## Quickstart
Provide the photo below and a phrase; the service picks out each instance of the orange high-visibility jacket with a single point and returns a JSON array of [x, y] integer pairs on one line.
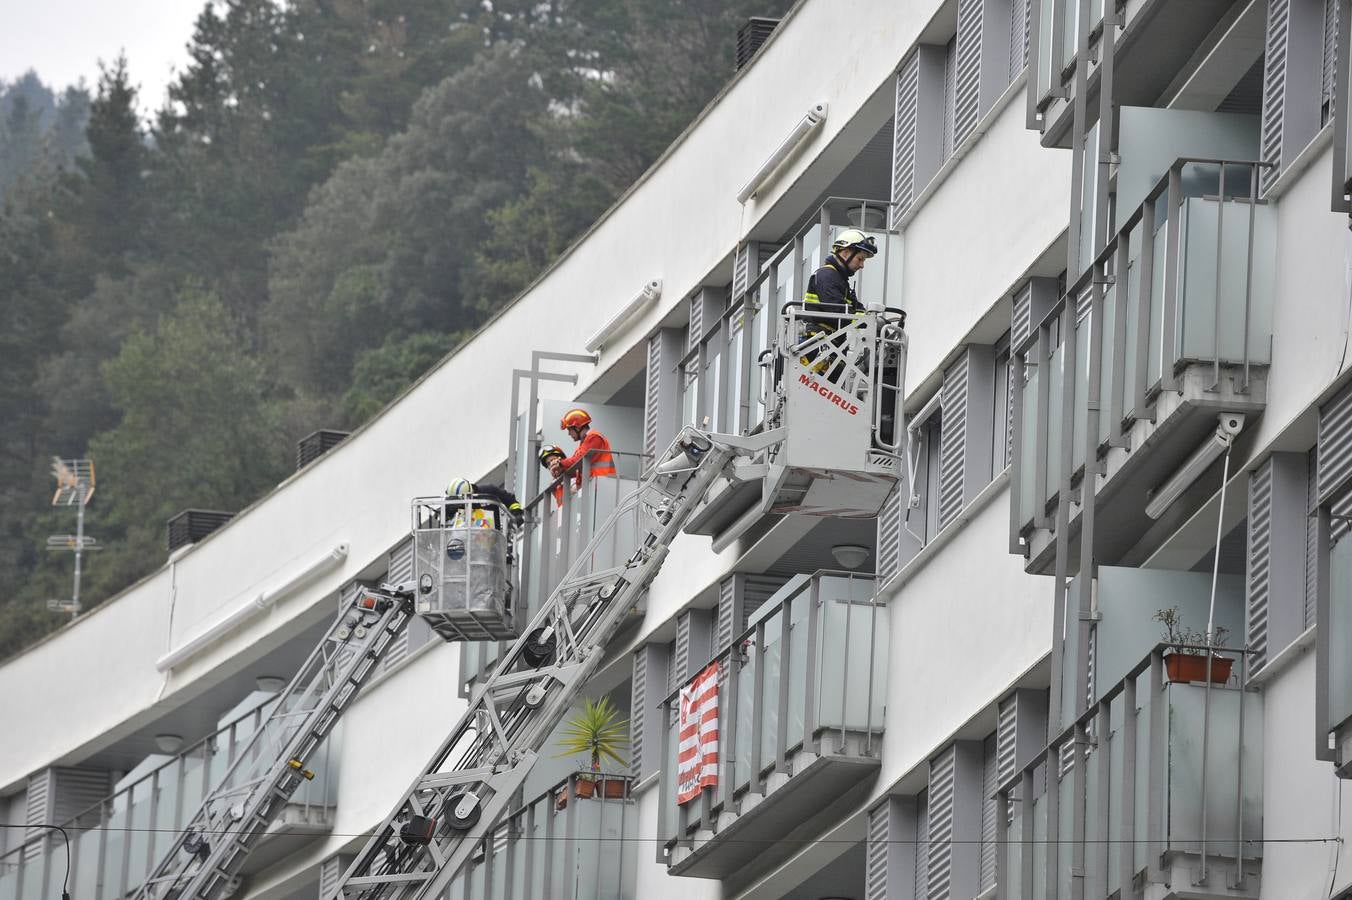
[[596, 449]]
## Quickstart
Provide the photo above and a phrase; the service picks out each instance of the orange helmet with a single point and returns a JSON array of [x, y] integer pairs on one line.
[[575, 418]]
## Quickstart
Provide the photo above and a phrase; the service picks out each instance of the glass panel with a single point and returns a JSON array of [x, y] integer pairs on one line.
[[85, 847], [1108, 337], [769, 698], [1056, 375], [746, 711], [1013, 890], [736, 423], [1045, 75], [799, 607], [115, 847], [1157, 299], [1080, 409], [1028, 462], [850, 691], [1129, 370], [138, 863], [1070, 21], [165, 800], [1340, 632]]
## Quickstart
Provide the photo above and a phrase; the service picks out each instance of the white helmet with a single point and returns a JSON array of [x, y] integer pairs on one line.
[[854, 239], [459, 487]]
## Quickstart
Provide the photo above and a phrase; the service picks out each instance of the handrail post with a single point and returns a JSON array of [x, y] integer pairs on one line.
[[758, 713], [1126, 848], [811, 744], [785, 676], [1155, 763], [1145, 270], [1239, 771]]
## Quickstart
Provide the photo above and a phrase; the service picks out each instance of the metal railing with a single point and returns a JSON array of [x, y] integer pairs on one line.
[[809, 675], [575, 841], [561, 521], [117, 841], [722, 375], [1169, 289], [1142, 776]]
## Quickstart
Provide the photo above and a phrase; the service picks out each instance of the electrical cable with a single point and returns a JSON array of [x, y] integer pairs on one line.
[[65, 881], [1338, 841]]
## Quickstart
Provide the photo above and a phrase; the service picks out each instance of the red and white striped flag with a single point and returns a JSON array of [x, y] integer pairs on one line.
[[697, 750]]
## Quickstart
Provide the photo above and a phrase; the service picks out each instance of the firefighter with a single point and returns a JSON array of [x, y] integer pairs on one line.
[[592, 445], [829, 289], [551, 458], [482, 515]]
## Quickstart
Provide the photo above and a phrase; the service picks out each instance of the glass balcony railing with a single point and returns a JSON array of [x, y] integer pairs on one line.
[[735, 403], [115, 843], [808, 676], [1158, 781], [1186, 281], [562, 520], [576, 841]]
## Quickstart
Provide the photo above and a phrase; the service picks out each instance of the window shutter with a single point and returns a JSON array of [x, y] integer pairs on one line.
[[400, 570], [904, 187], [889, 535], [954, 794], [1021, 731], [661, 398], [729, 600], [57, 795], [1019, 17], [990, 768], [1335, 444], [950, 75], [330, 870], [647, 690], [1311, 545], [739, 596], [952, 441], [922, 846], [1274, 86], [1258, 570], [875, 859], [940, 868], [1021, 315], [967, 70], [1009, 412], [692, 643], [965, 427], [1329, 73]]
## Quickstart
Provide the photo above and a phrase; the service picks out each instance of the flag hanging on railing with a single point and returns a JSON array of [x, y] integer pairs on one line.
[[697, 749]]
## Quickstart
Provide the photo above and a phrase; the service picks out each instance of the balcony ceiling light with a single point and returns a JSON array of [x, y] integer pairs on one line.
[[850, 556], [169, 743], [270, 684]]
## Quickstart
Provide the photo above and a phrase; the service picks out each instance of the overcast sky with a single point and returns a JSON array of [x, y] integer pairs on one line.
[[63, 40]]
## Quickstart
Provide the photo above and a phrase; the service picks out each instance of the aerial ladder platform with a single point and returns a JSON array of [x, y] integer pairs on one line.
[[832, 444]]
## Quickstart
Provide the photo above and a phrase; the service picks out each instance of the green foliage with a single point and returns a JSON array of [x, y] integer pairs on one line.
[[597, 732], [381, 374], [335, 195]]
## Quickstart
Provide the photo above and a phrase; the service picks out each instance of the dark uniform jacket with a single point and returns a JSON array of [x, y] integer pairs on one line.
[[829, 290]]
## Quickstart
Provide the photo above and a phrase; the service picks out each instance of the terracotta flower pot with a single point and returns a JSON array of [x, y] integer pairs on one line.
[[586, 789], [1189, 667]]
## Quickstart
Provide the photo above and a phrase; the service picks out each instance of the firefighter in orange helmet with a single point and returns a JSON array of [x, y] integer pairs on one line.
[[592, 445]]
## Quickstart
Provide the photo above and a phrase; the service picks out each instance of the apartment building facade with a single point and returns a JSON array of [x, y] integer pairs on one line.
[[1120, 234]]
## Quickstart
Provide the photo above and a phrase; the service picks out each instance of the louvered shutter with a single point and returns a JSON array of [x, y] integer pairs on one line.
[[942, 775], [1007, 740], [741, 270], [1274, 86], [875, 857], [952, 440], [990, 769], [680, 659], [1311, 544], [1021, 315], [400, 570], [37, 811], [1258, 568], [652, 388], [950, 76], [739, 596], [1009, 411], [692, 643], [923, 847], [729, 600], [889, 535], [661, 401], [1019, 21], [1329, 72], [638, 707], [57, 795], [330, 870], [904, 187], [967, 70], [1335, 444]]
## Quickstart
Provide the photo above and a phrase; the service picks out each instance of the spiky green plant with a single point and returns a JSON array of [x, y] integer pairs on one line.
[[596, 730]]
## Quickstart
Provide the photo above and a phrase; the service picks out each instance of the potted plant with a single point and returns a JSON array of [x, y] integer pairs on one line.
[[1187, 661], [598, 731]]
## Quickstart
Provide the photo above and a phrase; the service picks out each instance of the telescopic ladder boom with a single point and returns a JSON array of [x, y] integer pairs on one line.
[[205, 863], [466, 787]]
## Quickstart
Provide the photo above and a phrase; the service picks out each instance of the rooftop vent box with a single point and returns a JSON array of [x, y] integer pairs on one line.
[[191, 525], [316, 444], [750, 36]]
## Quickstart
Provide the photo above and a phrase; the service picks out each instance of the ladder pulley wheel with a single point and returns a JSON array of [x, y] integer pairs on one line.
[[462, 822], [538, 649]]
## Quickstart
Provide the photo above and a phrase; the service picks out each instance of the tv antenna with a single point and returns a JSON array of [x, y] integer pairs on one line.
[[74, 487]]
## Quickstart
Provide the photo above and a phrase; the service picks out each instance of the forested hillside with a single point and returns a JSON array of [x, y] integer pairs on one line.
[[334, 195]]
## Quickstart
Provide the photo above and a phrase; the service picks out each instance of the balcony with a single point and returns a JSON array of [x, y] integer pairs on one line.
[[1149, 44], [562, 518], [1157, 785], [801, 711], [723, 376], [575, 841], [115, 843], [1169, 326]]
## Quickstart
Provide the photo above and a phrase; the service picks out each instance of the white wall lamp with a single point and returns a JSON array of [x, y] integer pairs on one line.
[[1227, 429], [255, 607], [645, 298], [801, 132], [851, 556]]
